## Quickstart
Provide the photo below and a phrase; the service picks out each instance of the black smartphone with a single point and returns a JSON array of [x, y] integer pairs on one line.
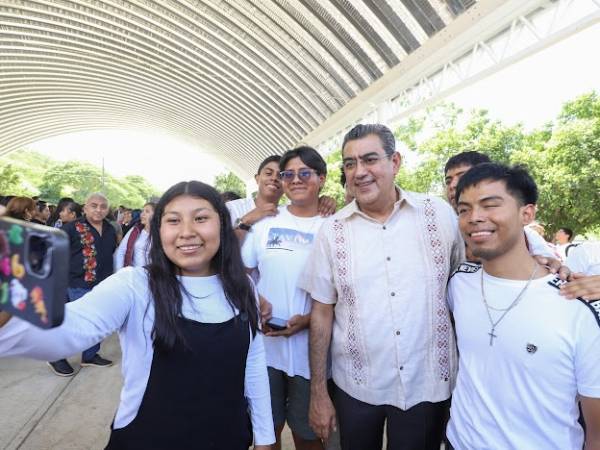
[[34, 271], [277, 324]]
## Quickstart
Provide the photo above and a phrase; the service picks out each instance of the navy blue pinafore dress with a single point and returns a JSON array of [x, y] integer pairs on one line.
[[195, 395]]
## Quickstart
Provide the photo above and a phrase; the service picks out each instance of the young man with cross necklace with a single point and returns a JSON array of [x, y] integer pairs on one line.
[[526, 356]]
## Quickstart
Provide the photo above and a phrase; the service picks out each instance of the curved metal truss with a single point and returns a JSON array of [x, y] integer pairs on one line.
[[493, 37], [247, 77]]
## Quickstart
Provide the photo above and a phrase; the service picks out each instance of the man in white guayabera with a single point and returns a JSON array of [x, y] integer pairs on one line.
[[382, 264]]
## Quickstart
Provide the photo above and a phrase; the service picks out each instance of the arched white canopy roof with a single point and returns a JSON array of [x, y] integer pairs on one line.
[[247, 78]]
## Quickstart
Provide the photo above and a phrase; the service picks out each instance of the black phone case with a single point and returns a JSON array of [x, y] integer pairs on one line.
[[277, 326], [33, 287]]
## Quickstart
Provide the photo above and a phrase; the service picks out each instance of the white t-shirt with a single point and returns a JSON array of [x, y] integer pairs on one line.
[[237, 209], [140, 250], [240, 207], [279, 246], [122, 303], [585, 258], [521, 392], [537, 244], [560, 250]]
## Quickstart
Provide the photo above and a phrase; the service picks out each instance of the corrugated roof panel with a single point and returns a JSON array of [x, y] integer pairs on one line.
[[251, 76]]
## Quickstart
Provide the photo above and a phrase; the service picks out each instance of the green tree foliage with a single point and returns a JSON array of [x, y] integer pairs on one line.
[[333, 187], [435, 136], [140, 187], [563, 156], [9, 179], [566, 166], [51, 180], [71, 179], [480, 133], [31, 167], [230, 182]]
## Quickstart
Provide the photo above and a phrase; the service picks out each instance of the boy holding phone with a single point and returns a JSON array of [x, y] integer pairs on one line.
[[278, 247]]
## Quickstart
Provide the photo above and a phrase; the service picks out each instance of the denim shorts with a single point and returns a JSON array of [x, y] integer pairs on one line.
[[290, 399]]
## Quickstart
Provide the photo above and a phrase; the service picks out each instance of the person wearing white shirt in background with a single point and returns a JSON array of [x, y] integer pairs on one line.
[[134, 247], [245, 212], [585, 258], [537, 227], [381, 264], [580, 285], [460, 164], [562, 239], [194, 367], [278, 247], [526, 355]]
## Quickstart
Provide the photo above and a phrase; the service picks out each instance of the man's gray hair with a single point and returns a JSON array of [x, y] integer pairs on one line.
[[97, 195]]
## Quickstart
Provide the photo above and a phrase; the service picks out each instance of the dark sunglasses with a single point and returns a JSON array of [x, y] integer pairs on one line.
[[303, 174]]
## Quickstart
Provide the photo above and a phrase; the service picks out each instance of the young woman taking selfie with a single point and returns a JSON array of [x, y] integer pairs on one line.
[[194, 366]]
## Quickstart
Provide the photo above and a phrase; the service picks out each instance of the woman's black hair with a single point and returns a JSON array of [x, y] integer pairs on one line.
[[227, 263], [150, 204], [40, 205], [5, 199], [61, 204], [73, 207]]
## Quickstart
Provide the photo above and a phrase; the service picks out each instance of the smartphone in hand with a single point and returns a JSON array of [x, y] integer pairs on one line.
[[34, 271], [277, 324]]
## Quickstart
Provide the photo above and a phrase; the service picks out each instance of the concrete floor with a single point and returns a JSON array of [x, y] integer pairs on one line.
[[42, 411]]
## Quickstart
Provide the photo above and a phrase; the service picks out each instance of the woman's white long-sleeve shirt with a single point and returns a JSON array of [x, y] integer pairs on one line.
[[122, 303], [140, 250]]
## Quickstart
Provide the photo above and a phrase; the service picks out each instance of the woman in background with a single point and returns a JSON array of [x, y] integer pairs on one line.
[[55, 220], [68, 213], [133, 249], [22, 208]]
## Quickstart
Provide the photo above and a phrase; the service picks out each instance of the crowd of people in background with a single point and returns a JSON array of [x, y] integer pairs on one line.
[[35, 210], [125, 219], [120, 239], [373, 319]]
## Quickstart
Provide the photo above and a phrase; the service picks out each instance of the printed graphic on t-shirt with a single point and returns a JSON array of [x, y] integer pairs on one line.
[[288, 239]]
